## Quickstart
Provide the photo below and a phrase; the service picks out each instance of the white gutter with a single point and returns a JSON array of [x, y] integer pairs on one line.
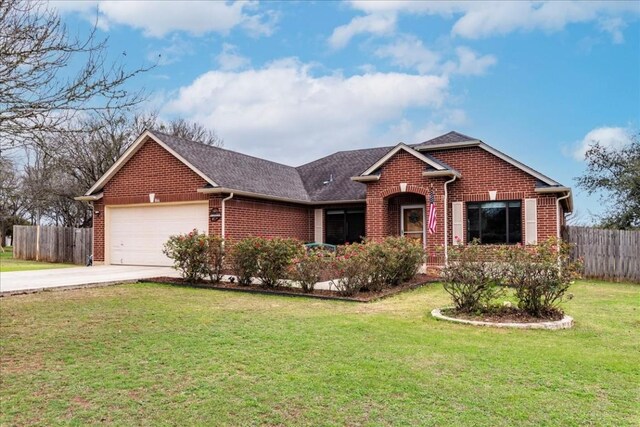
[[218, 190], [436, 174], [223, 214], [558, 214], [90, 198], [366, 178], [446, 221]]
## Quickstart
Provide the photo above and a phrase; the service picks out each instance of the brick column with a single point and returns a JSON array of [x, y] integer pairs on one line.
[[376, 218]]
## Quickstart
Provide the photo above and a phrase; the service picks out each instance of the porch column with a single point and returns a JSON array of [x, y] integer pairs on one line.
[[376, 218]]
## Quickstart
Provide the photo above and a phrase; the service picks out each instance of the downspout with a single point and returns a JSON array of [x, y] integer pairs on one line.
[[558, 214], [223, 215], [446, 221]]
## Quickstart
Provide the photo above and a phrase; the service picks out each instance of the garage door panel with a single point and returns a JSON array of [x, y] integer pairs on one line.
[[137, 234]]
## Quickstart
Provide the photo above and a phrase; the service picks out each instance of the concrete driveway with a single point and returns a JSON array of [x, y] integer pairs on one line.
[[31, 281]]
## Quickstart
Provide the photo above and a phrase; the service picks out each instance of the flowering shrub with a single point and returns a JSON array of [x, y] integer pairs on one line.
[[244, 258], [307, 268], [215, 257], [540, 274], [352, 269], [189, 253], [394, 260], [274, 258], [470, 278]]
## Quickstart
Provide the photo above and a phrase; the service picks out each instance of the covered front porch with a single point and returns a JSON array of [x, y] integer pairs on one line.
[[406, 214]]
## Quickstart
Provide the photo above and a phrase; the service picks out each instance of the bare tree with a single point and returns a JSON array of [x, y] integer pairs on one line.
[[63, 165], [192, 131], [40, 90]]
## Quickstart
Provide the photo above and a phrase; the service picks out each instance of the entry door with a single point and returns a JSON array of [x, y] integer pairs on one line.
[[412, 222]]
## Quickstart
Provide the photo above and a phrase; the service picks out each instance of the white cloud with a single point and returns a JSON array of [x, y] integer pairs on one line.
[[159, 18], [371, 24], [284, 112], [409, 52], [610, 137], [469, 63], [229, 59], [489, 18], [172, 52]]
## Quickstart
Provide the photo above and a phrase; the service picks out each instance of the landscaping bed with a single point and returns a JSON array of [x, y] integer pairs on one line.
[[363, 296], [502, 315]]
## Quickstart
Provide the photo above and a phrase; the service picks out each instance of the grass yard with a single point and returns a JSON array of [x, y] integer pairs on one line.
[[148, 354], [8, 263]]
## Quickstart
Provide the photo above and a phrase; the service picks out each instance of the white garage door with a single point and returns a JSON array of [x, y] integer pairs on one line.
[[137, 234]]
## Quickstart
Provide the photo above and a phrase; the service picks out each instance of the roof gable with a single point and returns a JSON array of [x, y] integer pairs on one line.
[[133, 149], [403, 147]]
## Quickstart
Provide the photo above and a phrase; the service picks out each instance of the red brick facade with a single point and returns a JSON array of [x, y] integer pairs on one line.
[[154, 170]]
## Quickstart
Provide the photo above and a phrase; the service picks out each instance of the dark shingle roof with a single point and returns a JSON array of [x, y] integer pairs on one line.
[[325, 179], [342, 166], [447, 138], [238, 171]]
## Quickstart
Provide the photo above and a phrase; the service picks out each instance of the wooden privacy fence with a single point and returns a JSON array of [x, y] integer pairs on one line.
[[607, 254], [52, 244]]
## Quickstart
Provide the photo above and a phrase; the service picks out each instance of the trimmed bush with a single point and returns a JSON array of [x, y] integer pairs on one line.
[[189, 253], [351, 268], [215, 257], [470, 279], [307, 268], [243, 256], [274, 258], [394, 260]]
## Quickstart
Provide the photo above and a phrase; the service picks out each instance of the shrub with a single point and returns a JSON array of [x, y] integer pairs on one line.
[[274, 258], [470, 278], [308, 267], [541, 275], [399, 259], [215, 257], [189, 255], [352, 269], [243, 256]]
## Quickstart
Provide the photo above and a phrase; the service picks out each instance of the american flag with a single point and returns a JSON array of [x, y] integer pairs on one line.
[[432, 213]]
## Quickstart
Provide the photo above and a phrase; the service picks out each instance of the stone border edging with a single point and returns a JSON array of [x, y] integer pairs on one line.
[[565, 323]]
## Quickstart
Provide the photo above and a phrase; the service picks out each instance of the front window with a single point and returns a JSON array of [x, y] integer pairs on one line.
[[494, 222], [344, 226]]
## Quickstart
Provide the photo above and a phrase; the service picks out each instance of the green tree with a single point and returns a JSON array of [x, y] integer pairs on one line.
[[615, 173]]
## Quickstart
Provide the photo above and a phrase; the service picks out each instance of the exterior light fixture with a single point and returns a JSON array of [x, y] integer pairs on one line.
[[215, 214]]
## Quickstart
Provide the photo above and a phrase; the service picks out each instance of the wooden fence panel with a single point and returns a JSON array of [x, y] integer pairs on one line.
[[607, 254], [52, 244]]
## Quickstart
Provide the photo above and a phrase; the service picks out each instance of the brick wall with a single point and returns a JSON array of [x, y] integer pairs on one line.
[[265, 218], [481, 172]]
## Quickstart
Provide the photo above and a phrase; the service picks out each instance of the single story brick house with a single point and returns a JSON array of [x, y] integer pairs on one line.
[[163, 185]]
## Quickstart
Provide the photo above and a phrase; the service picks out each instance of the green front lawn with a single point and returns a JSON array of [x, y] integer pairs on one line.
[[8, 263], [154, 354]]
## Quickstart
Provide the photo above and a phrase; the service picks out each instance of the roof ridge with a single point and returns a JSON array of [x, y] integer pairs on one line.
[[221, 148]]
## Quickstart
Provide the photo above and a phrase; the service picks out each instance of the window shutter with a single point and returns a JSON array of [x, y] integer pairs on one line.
[[317, 230], [456, 216], [530, 221]]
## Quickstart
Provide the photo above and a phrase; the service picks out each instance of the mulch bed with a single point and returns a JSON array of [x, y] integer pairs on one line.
[[503, 315], [418, 281]]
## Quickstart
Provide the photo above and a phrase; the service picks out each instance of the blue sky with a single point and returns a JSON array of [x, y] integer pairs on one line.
[[293, 81]]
